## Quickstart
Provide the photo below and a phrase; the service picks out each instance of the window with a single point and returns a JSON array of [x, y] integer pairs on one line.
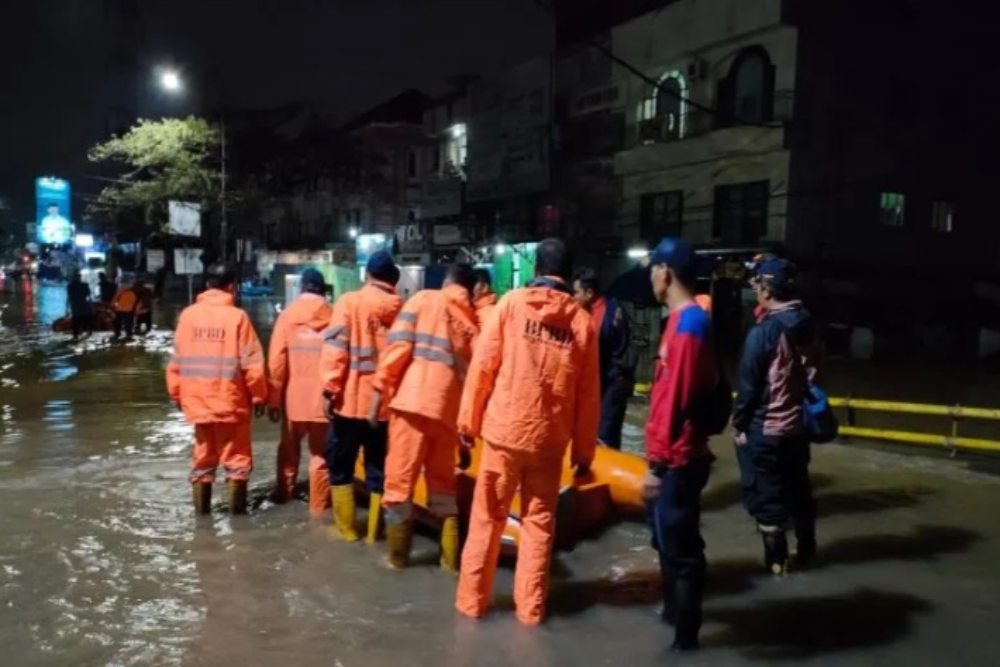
[[662, 115], [893, 209], [661, 214], [740, 212], [458, 145], [943, 216], [411, 169], [747, 94], [436, 159]]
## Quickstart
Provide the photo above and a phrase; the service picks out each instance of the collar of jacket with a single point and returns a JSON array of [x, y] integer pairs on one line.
[[385, 287], [489, 299], [458, 294], [788, 305], [217, 297], [551, 282]]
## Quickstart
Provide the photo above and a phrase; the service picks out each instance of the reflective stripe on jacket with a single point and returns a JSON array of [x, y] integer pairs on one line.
[[217, 369], [356, 335], [533, 382], [293, 359], [430, 347]]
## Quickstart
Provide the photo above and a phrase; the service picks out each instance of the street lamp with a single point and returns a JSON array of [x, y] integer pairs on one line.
[[171, 83]]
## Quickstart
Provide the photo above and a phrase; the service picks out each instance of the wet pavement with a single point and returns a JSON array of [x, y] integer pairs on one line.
[[102, 562]]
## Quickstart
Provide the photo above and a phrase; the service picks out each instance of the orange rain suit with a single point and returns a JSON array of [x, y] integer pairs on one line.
[[532, 388], [216, 374], [356, 335], [293, 365], [355, 338], [485, 305], [422, 371]]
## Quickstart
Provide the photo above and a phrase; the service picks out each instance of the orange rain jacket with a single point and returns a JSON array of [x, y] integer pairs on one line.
[[534, 383], [293, 359], [430, 347], [126, 300], [217, 369], [354, 339], [485, 305]]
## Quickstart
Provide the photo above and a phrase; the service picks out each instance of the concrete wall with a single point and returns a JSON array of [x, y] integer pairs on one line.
[[713, 32]]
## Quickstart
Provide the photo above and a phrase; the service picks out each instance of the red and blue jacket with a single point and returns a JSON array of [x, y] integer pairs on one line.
[[686, 371]]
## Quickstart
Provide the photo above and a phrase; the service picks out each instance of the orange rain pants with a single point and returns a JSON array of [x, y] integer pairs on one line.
[[502, 471], [289, 455], [228, 443], [418, 443]]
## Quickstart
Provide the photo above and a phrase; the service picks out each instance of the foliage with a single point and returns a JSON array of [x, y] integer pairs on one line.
[[172, 158]]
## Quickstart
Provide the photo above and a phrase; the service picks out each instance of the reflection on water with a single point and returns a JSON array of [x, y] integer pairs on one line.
[[102, 562]]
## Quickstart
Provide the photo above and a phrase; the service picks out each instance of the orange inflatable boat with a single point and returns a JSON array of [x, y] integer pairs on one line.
[[610, 491]]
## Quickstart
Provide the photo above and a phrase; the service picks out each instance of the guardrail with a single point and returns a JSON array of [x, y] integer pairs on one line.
[[951, 441]]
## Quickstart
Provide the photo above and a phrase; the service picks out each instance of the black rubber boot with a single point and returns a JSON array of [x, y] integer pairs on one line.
[[201, 493], [668, 586], [775, 549], [237, 496], [688, 594], [805, 543]]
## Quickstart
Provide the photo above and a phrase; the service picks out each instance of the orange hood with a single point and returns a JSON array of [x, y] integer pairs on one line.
[[550, 306], [216, 297], [311, 310]]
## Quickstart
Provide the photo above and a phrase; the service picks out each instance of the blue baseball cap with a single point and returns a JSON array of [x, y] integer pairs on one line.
[[677, 254], [382, 267], [777, 271]]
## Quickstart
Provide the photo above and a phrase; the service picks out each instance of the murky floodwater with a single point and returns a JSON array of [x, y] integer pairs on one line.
[[102, 562]]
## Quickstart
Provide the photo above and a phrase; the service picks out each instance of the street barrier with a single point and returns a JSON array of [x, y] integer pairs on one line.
[[952, 441]]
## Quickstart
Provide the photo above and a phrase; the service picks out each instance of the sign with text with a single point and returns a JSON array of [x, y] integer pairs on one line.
[[52, 211], [155, 260]]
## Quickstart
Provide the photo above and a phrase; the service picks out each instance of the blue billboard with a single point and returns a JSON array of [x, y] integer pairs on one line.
[[52, 211]]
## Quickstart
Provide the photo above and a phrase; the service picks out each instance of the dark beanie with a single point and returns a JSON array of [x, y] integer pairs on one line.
[[312, 281], [382, 267]]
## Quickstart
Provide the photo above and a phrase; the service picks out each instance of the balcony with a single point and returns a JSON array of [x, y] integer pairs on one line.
[[696, 122]]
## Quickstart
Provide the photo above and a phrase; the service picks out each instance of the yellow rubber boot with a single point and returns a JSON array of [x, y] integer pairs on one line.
[[399, 537], [374, 517], [201, 493], [237, 496], [342, 498], [449, 544]]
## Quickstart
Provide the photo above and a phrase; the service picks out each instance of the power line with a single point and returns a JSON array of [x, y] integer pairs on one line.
[[635, 71]]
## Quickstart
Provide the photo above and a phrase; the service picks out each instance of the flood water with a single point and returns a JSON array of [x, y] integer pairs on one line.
[[103, 563]]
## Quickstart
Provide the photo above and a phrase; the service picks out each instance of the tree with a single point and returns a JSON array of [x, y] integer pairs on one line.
[[172, 158]]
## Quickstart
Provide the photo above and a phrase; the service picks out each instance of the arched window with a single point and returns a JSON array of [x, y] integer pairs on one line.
[[747, 94], [663, 113]]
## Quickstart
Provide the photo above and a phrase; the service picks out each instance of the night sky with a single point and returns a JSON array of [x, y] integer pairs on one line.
[[68, 66]]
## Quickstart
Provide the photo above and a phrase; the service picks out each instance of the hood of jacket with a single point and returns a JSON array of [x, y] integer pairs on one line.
[[216, 297], [551, 301], [795, 319], [382, 299], [311, 310]]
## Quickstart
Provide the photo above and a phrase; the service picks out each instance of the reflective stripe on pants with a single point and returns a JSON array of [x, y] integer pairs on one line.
[[225, 443], [419, 444]]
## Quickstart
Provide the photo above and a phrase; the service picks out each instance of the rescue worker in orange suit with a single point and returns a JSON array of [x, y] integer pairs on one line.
[[421, 372], [217, 377], [354, 340], [676, 441], [532, 389], [614, 339], [293, 365], [483, 297]]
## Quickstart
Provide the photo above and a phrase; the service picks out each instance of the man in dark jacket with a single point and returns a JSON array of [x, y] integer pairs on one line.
[[771, 443], [80, 307], [617, 368]]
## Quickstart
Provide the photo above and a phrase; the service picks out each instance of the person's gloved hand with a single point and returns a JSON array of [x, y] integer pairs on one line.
[[274, 414], [464, 458], [740, 439], [328, 407], [581, 470], [258, 410], [374, 407]]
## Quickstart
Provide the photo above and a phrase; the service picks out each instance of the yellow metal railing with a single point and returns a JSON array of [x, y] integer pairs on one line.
[[955, 413], [950, 441]]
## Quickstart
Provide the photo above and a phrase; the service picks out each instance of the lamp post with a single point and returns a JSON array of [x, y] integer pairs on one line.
[[172, 84]]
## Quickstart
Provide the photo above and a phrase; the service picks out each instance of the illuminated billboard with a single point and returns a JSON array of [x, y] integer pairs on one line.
[[52, 211]]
